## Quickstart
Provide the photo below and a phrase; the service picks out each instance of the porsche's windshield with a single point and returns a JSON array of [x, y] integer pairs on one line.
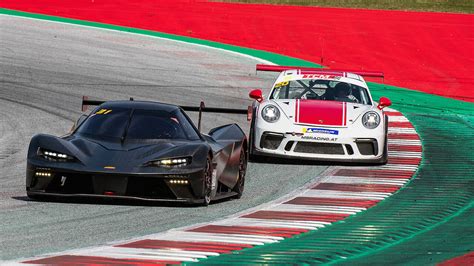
[[320, 90], [138, 124]]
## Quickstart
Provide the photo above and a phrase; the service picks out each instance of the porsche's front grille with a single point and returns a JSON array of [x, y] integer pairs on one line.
[[367, 146], [270, 141], [319, 148]]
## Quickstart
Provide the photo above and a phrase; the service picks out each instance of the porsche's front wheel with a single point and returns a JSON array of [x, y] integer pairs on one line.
[[384, 158], [207, 183], [252, 156], [239, 187]]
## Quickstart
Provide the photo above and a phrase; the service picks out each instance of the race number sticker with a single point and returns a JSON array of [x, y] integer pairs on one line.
[[103, 112], [281, 84]]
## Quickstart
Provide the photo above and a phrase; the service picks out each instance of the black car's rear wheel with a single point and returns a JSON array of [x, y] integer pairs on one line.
[[239, 187], [207, 183]]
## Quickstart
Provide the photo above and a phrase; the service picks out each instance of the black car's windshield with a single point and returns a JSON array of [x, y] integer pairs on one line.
[[320, 90], [138, 124]]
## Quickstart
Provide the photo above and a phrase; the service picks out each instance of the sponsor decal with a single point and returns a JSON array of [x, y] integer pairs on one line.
[[320, 76], [319, 138], [320, 130]]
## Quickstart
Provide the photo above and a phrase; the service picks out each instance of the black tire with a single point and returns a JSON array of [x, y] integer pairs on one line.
[[384, 159], [252, 156], [207, 183], [239, 187]]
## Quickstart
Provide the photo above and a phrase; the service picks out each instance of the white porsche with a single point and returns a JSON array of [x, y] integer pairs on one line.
[[319, 114]]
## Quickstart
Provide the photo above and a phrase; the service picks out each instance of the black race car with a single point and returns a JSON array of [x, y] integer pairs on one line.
[[139, 150]]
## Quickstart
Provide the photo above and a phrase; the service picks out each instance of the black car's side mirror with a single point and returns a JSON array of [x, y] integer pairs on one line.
[[79, 121]]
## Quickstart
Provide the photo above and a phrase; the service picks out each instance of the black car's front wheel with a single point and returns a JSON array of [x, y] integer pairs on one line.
[[207, 182], [239, 187]]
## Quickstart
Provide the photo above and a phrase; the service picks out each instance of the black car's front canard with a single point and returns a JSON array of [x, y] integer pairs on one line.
[[139, 150]]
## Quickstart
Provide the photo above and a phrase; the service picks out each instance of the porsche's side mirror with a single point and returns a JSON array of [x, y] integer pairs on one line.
[[257, 95], [384, 102]]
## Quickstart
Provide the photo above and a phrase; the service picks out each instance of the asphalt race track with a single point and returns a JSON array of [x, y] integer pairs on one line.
[[45, 70]]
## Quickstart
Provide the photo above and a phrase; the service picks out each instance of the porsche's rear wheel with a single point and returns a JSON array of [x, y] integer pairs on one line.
[[207, 183], [239, 187]]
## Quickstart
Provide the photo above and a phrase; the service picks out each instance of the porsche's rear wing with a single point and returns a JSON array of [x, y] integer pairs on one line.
[[201, 108], [322, 71]]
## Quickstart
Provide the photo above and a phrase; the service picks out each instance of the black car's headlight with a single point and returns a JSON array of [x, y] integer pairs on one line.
[[270, 113], [171, 162], [371, 120], [54, 156]]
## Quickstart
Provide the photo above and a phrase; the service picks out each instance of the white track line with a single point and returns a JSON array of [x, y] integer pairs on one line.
[[406, 167], [317, 193], [316, 208], [273, 223], [396, 118], [214, 237], [148, 254], [405, 154], [365, 180], [401, 130], [410, 142]]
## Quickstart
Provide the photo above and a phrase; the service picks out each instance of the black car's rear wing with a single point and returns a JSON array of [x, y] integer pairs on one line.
[[201, 108]]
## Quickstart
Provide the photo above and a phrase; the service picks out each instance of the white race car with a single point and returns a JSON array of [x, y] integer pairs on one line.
[[319, 114]]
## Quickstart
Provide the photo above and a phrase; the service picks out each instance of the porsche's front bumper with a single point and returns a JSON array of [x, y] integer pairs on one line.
[[345, 146], [183, 187]]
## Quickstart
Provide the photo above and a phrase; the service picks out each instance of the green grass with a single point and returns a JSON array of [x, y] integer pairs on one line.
[[456, 6]]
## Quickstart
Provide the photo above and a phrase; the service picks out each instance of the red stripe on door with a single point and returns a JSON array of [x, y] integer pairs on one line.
[[248, 230], [357, 187], [186, 245], [375, 173], [317, 112], [297, 111], [296, 216], [332, 202], [87, 260]]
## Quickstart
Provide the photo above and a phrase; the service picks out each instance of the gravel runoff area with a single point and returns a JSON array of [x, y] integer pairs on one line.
[[46, 68]]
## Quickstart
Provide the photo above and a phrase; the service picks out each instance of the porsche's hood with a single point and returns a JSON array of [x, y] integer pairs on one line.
[[321, 113]]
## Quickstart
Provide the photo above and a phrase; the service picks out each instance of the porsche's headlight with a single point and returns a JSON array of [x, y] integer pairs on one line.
[[54, 156], [270, 113], [371, 120], [171, 162]]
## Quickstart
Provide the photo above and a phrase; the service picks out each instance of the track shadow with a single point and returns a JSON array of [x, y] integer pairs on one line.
[[102, 201]]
